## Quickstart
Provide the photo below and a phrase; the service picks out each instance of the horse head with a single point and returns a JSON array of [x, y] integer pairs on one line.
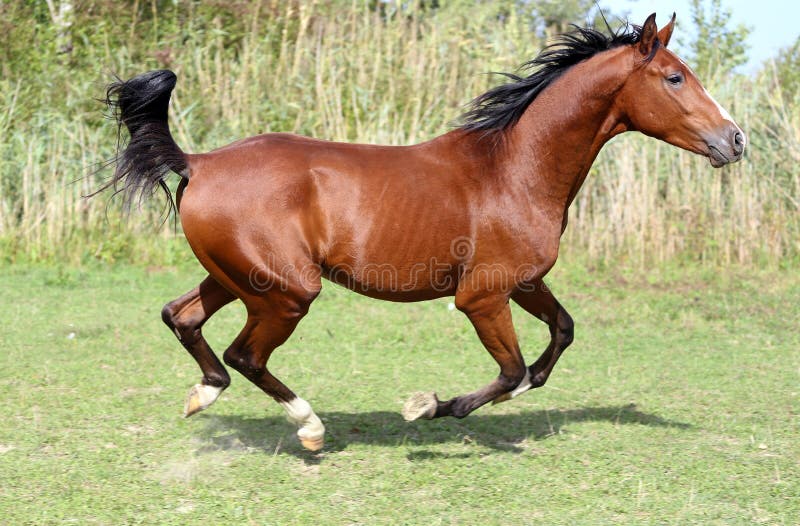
[[663, 98]]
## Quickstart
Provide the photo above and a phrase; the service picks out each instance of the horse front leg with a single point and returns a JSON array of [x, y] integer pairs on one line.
[[491, 317], [540, 302]]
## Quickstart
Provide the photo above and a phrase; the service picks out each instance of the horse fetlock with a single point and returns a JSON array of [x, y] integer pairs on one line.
[[200, 397], [219, 379], [420, 405], [523, 386]]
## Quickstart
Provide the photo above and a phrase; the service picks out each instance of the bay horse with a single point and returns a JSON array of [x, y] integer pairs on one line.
[[476, 213]]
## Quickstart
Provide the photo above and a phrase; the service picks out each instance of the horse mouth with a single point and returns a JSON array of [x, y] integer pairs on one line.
[[716, 157]]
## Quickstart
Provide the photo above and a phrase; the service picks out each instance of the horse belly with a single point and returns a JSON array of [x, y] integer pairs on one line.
[[404, 283]]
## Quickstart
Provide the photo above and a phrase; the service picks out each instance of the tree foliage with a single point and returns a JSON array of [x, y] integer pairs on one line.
[[787, 72], [717, 48]]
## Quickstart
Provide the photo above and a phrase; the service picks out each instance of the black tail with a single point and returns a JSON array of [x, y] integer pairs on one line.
[[141, 104]]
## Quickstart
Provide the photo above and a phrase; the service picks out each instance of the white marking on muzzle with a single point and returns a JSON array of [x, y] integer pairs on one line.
[[727, 116], [722, 111]]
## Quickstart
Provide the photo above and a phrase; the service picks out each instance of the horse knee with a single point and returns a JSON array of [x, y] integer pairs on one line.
[[236, 358], [243, 361]]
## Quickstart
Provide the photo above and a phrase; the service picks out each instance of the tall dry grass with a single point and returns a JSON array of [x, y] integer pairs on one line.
[[367, 75]]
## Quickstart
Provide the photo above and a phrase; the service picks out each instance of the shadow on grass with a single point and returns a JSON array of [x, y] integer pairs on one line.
[[499, 432]]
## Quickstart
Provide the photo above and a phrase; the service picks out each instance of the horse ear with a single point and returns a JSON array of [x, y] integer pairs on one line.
[[666, 32], [649, 35]]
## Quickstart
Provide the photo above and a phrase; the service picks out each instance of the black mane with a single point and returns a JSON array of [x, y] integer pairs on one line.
[[502, 106]]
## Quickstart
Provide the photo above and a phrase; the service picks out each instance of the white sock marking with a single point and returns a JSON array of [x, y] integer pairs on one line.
[[299, 412], [523, 386]]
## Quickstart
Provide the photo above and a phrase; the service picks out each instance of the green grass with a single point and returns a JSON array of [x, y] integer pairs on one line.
[[677, 403]]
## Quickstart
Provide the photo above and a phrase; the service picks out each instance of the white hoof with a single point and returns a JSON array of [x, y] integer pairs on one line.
[[312, 430], [313, 444], [200, 397], [312, 434], [420, 405]]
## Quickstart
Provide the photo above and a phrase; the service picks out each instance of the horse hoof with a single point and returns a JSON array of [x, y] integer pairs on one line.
[[314, 444], [420, 405], [200, 397]]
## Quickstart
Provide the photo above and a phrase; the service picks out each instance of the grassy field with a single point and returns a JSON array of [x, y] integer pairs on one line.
[[678, 403]]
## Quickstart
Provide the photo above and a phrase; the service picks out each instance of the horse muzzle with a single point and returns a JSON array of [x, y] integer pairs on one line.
[[726, 147]]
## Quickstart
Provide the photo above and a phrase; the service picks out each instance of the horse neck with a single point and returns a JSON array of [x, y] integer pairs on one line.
[[557, 139]]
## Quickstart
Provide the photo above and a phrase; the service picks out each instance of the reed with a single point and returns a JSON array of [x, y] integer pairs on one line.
[[345, 71]]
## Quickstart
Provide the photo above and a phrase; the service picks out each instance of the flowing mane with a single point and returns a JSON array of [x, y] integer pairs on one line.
[[502, 106]]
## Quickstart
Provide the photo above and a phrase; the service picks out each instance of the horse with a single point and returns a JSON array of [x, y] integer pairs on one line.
[[476, 213]]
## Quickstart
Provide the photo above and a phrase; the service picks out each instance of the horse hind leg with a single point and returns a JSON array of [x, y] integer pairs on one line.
[[185, 316], [271, 320]]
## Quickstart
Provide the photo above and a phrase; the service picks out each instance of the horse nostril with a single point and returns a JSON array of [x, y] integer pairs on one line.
[[738, 142]]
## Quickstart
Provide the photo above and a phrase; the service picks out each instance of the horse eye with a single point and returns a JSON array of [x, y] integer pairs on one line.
[[675, 79]]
